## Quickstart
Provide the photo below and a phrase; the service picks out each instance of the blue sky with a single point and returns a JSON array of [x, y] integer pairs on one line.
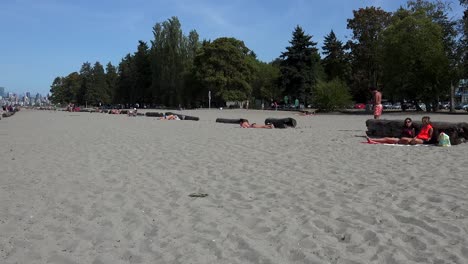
[[43, 39]]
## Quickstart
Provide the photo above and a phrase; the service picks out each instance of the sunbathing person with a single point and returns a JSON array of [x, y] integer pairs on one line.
[[244, 123], [406, 132], [169, 117]]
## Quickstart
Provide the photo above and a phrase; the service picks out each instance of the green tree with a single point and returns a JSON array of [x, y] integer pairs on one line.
[[367, 25], [97, 92], [141, 91], [224, 67], [86, 75], [464, 40], [169, 57], [72, 85], [57, 91], [414, 58], [332, 95], [112, 80], [190, 84], [126, 80], [438, 11], [265, 83], [335, 63], [300, 66]]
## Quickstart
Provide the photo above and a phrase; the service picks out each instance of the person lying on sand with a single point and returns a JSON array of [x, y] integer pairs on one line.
[[169, 117], [244, 123], [407, 131]]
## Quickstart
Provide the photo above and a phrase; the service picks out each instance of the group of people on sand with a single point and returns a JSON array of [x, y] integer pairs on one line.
[[408, 135]]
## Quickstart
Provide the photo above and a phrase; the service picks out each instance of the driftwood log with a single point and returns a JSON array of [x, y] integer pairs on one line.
[[229, 121], [155, 114], [8, 114], [281, 122], [458, 132], [184, 117]]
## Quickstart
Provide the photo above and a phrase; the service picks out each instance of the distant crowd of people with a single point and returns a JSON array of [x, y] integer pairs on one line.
[[73, 108], [10, 108]]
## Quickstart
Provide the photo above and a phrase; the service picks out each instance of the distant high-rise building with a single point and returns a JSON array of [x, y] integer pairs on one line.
[[2, 91], [28, 94]]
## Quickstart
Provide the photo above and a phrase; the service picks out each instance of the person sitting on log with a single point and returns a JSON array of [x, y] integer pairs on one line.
[[406, 132], [244, 123], [115, 111], [424, 136]]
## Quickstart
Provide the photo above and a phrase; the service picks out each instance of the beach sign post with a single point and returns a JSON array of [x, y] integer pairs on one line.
[[209, 99]]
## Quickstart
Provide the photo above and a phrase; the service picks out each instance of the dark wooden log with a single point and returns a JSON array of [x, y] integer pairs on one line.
[[281, 122], [154, 114], [229, 121], [8, 114], [458, 132], [184, 117]]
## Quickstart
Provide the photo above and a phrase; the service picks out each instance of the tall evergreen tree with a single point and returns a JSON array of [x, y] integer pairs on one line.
[[142, 88], [190, 84], [126, 81], [57, 91], [112, 81], [97, 92], [335, 63], [72, 84], [167, 62], [300, 66], [86, 75]]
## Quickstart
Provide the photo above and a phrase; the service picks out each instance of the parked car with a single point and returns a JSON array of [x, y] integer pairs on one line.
[[444, 105], [408, 106], [422, 106], [462, 107], [387, 105], [396, 106], [360, 106]]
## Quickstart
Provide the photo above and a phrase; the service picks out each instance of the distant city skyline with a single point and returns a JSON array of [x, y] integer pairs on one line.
[[4, 91]]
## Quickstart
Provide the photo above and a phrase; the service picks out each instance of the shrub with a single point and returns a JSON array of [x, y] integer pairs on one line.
[[332, 95]]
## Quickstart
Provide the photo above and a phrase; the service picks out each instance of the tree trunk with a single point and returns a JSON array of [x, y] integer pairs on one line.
[[452, 98]]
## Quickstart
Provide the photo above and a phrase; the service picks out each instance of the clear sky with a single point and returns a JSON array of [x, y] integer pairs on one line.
[[43, 39]]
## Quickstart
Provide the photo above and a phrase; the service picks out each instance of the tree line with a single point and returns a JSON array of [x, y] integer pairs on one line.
[[415, 54]]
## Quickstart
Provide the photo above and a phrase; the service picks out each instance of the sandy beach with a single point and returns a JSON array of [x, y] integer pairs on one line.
[[102, 189]]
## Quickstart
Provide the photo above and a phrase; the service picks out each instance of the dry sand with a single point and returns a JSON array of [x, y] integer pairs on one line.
[[97, 188]]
